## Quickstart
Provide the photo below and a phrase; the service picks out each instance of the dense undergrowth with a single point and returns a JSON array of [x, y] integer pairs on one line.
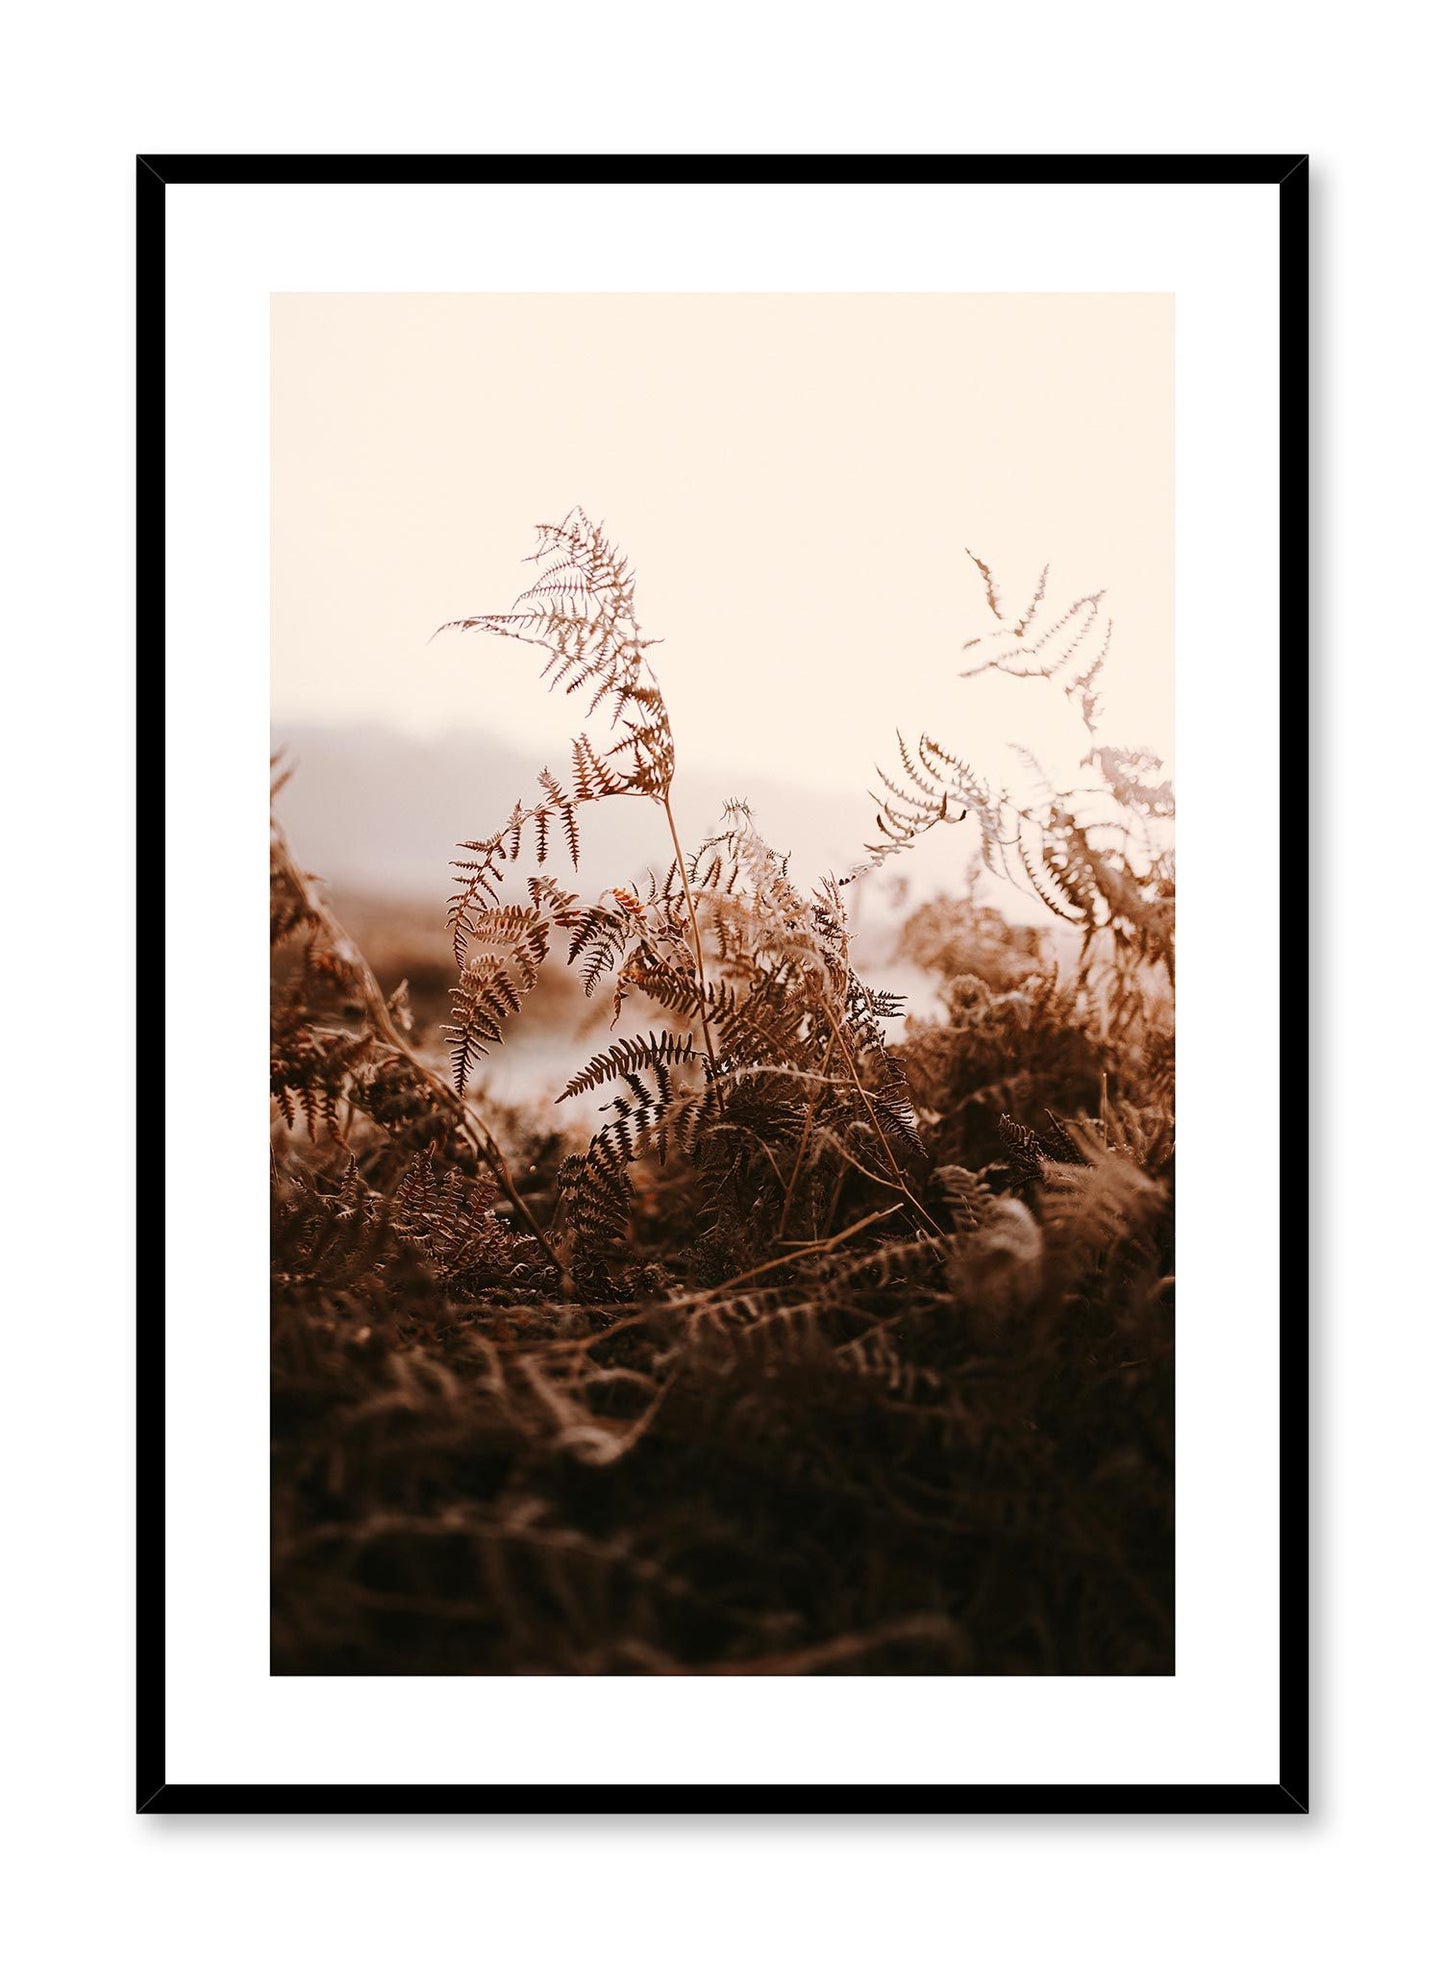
[[841, 1344]]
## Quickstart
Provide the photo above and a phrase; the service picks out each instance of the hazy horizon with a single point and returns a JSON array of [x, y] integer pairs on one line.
[[380, 812]]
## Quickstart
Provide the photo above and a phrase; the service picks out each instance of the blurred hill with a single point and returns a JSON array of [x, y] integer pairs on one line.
[[379, 812]]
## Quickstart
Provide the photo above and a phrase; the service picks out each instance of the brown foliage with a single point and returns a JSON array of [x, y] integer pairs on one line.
[[824, 1353]]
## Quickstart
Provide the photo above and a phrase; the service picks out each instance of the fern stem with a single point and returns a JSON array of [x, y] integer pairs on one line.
[[666, 804], [807, 1132], [807, 1250], [878, 1126]]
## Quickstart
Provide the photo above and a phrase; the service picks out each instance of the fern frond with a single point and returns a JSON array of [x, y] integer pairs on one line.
[[659, 1052], [596, 1194], [905, 813], [513, 941], [1048, 654]]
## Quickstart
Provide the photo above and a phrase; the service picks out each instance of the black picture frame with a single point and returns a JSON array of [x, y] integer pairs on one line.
[[1290, 1795]]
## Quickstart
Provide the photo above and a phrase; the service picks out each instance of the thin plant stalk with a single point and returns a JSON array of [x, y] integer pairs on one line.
[[696, 934]]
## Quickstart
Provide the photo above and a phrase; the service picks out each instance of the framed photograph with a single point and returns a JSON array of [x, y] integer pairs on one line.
[[765, 674]]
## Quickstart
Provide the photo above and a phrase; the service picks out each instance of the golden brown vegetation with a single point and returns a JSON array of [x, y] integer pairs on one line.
[[828, 1352]]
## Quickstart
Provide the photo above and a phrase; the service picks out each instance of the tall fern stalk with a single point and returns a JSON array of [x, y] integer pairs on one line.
[[688, 898], [781, 990]]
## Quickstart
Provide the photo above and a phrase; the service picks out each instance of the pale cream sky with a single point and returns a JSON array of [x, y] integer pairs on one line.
[[796, 479]]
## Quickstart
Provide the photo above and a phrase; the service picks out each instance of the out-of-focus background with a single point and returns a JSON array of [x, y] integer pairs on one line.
[[799, 480]]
